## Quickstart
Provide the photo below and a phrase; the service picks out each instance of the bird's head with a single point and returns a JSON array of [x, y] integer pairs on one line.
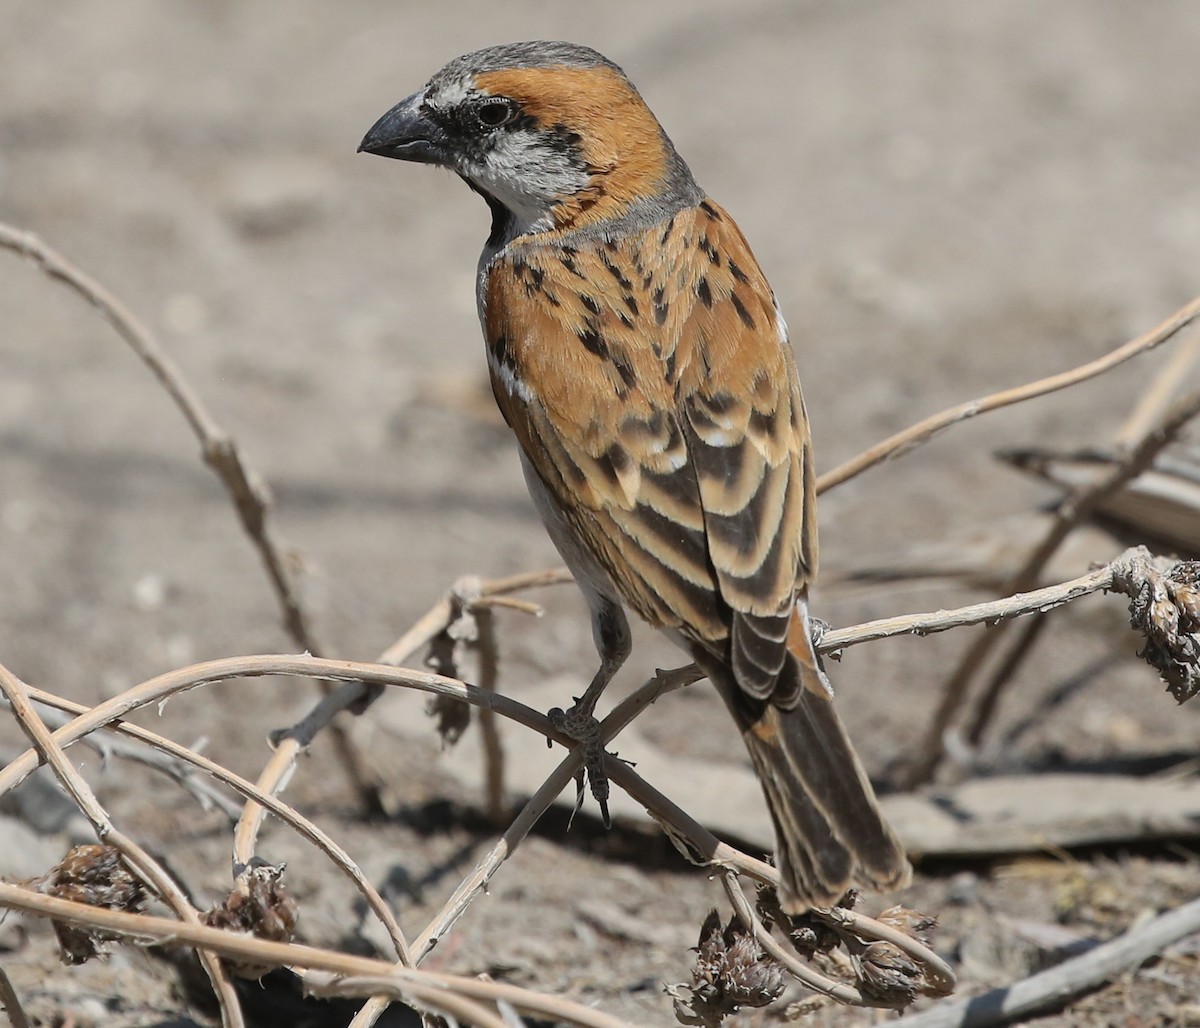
[[553, 135]]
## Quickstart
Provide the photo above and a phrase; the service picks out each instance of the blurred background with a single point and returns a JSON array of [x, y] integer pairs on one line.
[[948, 198]]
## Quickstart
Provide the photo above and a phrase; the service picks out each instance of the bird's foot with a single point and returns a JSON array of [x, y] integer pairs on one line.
[[580, 724]]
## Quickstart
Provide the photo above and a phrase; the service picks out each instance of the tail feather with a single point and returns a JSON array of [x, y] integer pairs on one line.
[[830, 833]]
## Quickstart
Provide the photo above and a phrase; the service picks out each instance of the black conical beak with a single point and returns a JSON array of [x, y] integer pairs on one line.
[[407, 134]]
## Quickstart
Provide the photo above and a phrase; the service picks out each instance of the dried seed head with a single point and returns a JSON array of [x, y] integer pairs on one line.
[[1165, 608], [94, 875], [731, 972], [889, 974], [258, 905]]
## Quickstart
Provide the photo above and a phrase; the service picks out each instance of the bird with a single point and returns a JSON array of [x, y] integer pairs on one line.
[[639, 356]]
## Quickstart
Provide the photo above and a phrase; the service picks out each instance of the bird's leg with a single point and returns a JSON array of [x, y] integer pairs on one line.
[[611, 633]]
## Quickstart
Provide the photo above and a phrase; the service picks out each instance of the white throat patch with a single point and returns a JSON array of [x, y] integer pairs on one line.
[[528, 176]]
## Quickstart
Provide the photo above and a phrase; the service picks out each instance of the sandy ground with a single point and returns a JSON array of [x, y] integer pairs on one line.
[[948, 198]]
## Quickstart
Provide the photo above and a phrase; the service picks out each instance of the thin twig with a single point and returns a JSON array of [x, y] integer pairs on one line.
[[1051, 988], [988, 612], [146, 755], [493, 751], [286, 813], [1177, 370], [925, 430], [168, 684], [425, 987], [245, 487], [145, 866]]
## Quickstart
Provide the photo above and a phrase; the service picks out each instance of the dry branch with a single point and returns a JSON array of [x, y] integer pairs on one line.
[[989, 612], [681, 825], [245, 487]]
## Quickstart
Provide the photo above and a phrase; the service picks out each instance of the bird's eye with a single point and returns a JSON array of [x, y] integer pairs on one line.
[[495, 113]]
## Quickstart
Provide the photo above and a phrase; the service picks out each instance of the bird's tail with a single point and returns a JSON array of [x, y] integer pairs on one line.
[[830, 834]]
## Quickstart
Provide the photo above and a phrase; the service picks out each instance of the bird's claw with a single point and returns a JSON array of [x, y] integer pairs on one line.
[[581, 726]]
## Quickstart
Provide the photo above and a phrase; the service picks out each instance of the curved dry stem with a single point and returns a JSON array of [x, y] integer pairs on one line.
[[245, 487], [286, 813], [169, 684], [926, 429], [144, 865], [423, 987]]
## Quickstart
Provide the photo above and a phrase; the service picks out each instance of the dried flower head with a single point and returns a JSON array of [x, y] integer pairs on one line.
[[258, 905], [911, 922], [888, 973], [94, 875], [731, 972], [1165, 607]]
